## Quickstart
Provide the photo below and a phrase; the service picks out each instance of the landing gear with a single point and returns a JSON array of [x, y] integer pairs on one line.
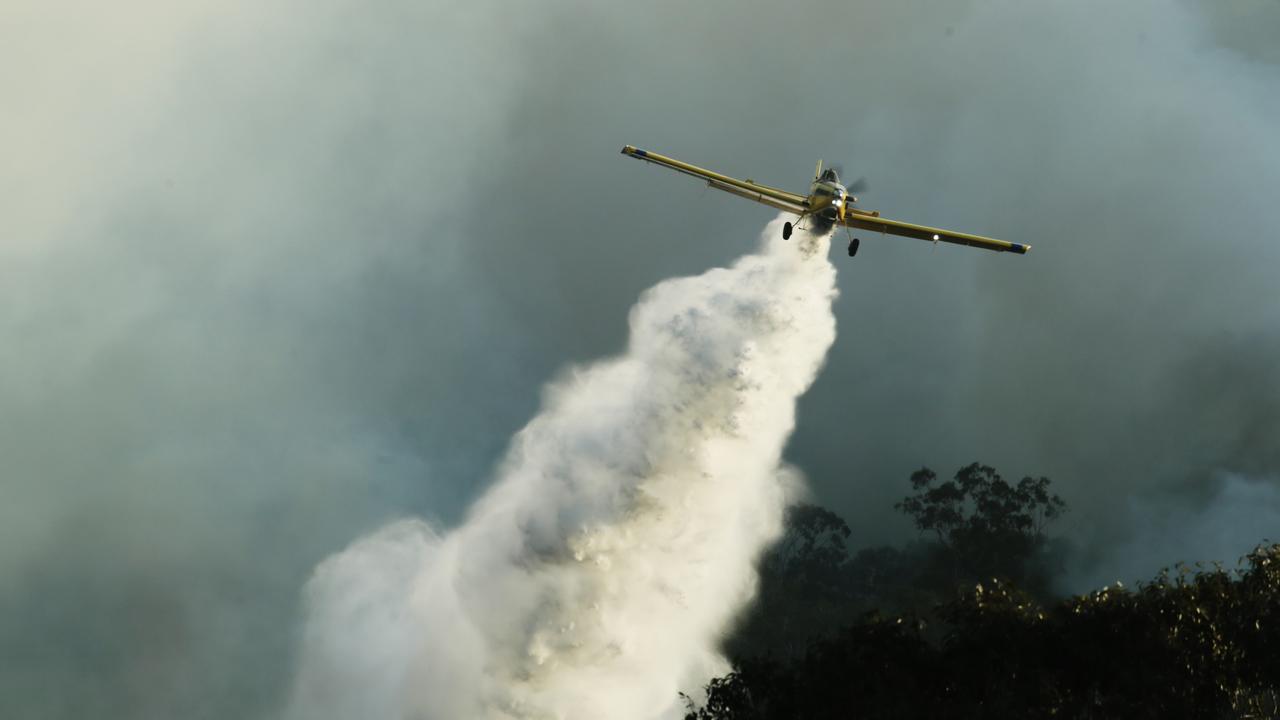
[[853, 247], [786, 231]]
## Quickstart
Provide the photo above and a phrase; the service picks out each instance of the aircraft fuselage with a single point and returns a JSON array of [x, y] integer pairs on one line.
[[827, 202]]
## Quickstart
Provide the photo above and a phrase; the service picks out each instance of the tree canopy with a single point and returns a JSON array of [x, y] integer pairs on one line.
[[987, 526], [1190, 644], [975, 527], [961, 624]]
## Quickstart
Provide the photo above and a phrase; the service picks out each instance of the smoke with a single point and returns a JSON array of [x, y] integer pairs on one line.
[[275, 274], [597, 575], [1237, 515]]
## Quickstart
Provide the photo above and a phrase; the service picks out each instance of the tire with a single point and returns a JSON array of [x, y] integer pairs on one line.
[[853, 247], [786, 231]]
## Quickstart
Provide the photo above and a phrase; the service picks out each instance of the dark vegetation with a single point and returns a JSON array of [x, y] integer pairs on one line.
[[963, 623]]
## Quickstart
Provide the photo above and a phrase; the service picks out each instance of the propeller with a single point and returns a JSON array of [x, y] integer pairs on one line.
[[857, 186]]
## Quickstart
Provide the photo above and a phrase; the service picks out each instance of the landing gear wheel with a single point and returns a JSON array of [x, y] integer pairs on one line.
[[786, 231], [853, 247]]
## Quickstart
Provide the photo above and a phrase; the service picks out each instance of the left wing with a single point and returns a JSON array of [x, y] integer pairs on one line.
[[773, 197], [871, 221]]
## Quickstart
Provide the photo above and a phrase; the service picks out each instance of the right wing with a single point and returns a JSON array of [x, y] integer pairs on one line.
[[773, 197], [867, 221]]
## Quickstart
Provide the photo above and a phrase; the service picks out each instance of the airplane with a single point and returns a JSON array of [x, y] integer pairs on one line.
[[827, 204]]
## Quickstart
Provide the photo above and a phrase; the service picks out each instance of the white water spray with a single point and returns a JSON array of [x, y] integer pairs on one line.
[[598, 575]]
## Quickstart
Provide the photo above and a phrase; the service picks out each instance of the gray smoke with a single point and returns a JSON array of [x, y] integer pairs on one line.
[[273, 275], [1238, 514]]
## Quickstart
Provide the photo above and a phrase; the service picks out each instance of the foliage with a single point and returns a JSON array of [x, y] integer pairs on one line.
[[981, 527], [802, 586], [1204, 645], [984, 526]]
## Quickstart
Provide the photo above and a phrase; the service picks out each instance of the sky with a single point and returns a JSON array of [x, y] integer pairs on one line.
[[271, 277]]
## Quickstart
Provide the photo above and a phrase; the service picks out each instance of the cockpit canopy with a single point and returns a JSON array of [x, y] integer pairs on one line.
[[828, 189]]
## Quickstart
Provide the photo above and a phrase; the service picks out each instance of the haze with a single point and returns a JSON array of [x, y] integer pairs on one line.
[[272, 277]]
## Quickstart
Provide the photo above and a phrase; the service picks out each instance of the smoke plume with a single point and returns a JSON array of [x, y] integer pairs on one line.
[[597, 575], [1237, 514]]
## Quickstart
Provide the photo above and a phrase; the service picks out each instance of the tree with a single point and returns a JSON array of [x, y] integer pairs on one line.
[[1196, 645], [810, 585], [984, 526], [802, 591]]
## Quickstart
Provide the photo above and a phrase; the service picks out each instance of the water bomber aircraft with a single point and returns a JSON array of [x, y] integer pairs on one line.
[[828, 204]]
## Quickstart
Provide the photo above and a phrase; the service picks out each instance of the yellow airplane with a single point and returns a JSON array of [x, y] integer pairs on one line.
[[828, 203]]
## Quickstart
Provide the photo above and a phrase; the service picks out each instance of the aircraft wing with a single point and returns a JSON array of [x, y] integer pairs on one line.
[[868, 221], [773, 197]]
